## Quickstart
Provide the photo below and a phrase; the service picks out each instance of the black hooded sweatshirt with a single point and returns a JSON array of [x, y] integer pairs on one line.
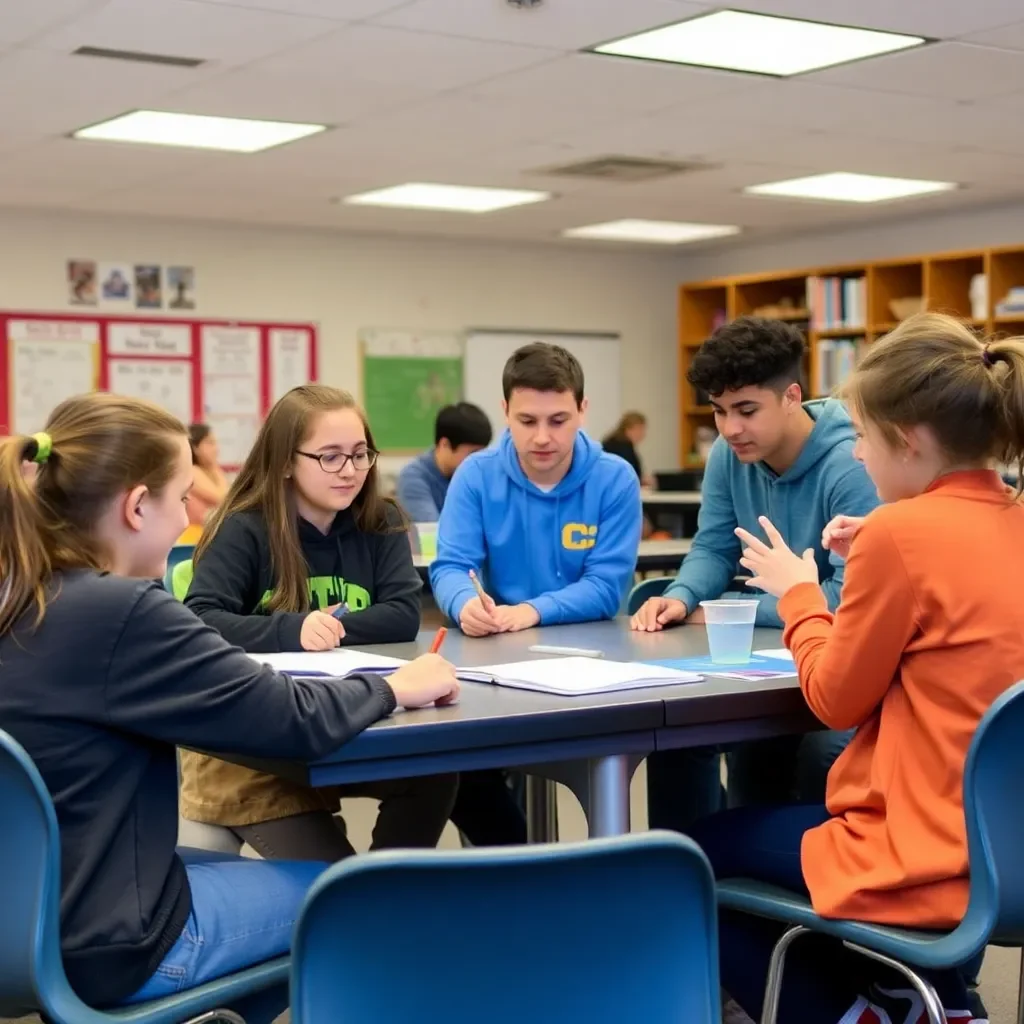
[[372, 573]]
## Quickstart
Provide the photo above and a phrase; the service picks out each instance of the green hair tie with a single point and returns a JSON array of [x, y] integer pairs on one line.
[[44, 446]]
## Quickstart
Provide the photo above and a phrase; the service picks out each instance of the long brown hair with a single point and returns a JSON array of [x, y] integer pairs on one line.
[[100, 446], [933, 370], [627, 421], [263, 486]]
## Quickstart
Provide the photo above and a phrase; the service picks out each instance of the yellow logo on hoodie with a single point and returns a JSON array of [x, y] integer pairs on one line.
[[578, 536]]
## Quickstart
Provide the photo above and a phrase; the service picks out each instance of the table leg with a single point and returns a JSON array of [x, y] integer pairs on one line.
[[541, 810], [609, 795]]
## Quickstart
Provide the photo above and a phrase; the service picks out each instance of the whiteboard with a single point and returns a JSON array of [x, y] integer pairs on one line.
[[599, 354]]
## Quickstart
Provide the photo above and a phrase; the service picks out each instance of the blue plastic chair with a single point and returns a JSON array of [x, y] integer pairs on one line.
[[645, 590], [995, 909], [32, 978], [604, 931]]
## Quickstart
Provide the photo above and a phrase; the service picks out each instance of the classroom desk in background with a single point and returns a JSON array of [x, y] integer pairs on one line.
[[670, 499], [592, 744], [652, 554], [675, 511]]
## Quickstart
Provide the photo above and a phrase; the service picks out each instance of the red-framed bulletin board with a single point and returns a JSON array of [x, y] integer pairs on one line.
[[227, 373]]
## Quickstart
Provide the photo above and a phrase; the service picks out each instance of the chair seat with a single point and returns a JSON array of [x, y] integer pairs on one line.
[[195, 1001], [929, 949]]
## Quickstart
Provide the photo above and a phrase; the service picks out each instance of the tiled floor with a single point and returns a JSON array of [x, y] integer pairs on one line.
[[999, 977]]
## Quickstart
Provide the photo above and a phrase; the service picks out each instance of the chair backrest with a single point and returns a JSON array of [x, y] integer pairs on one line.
[[604, 931], [179, 553], [30, 961], [179, 579], [995, 821], [644, 590]]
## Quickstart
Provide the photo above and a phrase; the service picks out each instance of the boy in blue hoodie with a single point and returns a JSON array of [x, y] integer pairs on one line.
[[550, 521], [775, 456]]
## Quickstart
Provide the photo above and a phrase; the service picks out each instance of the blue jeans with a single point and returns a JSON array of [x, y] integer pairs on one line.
[[243, 913], [684, 786], [822, 977]]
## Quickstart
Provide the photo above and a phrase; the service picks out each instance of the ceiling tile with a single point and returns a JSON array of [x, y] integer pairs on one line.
[[568, 24], [955, 71], [42, 93], [186, 28], [432, 63], [336, 10], [20, 21], [917, 17]]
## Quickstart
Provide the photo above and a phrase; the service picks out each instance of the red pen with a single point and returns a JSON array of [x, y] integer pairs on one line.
[[438, 640]]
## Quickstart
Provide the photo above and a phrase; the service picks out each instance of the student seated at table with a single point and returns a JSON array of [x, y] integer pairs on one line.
[[547, 519], [104, 673], [459, 431], [305, 555], [211, 485], [622, 441], [780, 456], [929, 632]]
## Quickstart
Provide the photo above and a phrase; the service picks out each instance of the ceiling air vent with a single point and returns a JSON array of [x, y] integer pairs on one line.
[[625, 169], [138, 58]]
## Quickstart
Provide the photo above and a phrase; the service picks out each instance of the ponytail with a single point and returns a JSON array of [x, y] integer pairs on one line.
[[95, 448], [934, 371], [24, 560]]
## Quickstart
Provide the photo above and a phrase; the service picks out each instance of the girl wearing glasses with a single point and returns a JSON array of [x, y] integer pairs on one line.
[[305, 554]]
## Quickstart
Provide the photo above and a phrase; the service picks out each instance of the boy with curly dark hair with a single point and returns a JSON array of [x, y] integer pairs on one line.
[[776, 456]]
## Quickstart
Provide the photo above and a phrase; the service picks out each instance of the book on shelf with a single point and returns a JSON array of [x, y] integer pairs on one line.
[[836, 359], [837, 302]]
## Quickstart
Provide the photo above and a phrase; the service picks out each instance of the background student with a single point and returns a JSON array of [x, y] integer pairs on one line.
[[104, 673], [930, 631], [775, 455], [305, 555], [549, 520], [459, 431], [622, 441], [210, 485]]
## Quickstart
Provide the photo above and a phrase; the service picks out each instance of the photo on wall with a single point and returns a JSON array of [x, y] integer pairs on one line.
[[181, 288], [117, 286], [81, 280], [147, 286]]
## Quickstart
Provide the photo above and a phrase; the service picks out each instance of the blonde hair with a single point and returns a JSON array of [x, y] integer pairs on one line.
[[627, 421], [263, 486], [100, 446], [934, 371]]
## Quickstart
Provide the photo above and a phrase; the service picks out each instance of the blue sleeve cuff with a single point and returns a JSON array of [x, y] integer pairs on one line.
[[459, 601], [680, 592], [547, 609]]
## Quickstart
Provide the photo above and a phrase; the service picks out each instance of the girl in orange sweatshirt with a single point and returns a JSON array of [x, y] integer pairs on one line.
[[929, 631]]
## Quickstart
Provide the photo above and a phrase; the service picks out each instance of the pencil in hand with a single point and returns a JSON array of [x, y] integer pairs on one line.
[[435, 646], [485, 599]]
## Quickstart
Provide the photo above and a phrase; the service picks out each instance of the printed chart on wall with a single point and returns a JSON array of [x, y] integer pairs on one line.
[[232, 386], [49, 360], [291, 360], [407, 377], [152, 361]]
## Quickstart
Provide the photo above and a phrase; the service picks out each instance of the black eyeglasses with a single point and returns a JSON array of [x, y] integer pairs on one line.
[[335, 462]]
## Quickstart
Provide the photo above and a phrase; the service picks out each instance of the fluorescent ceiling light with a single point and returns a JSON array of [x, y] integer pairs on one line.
[[418, 195], [664, 232], [758, 43], [164, 128], [845, 187]]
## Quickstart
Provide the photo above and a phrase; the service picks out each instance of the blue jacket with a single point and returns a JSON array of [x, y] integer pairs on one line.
[[825, 481], [570, 552], [422, 488]]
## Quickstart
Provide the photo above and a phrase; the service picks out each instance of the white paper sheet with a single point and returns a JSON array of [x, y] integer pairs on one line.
[[575, 676], [776, 652], [167, 383], [326, 663], [290, 361]]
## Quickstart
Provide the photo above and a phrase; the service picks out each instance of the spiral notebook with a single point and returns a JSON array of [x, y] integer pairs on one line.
[[576, 676], [335, 663]]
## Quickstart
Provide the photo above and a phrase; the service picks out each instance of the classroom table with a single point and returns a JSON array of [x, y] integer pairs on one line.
[[651, 555], [676, 511], [592, 744], [671, 499]]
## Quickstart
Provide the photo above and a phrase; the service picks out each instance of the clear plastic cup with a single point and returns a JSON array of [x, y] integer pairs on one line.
[[730, 626]]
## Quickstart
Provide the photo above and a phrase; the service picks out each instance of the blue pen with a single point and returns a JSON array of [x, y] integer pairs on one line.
[[342, 609]]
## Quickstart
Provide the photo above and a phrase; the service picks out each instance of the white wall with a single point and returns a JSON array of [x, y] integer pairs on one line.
[[348, 282], [896, 236]]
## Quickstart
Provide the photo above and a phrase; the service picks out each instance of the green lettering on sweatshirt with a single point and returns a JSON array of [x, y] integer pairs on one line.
[[327, 591]]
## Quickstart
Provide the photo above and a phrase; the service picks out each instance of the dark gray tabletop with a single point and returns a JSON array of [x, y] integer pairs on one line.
[[503, 726]]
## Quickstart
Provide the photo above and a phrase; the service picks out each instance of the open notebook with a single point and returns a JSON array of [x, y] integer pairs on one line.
[[328, 663], [576, 676]]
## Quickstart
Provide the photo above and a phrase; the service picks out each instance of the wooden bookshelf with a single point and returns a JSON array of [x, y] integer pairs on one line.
[[938, 281]]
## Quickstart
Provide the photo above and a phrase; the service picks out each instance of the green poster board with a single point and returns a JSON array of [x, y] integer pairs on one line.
[[407, 378]]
